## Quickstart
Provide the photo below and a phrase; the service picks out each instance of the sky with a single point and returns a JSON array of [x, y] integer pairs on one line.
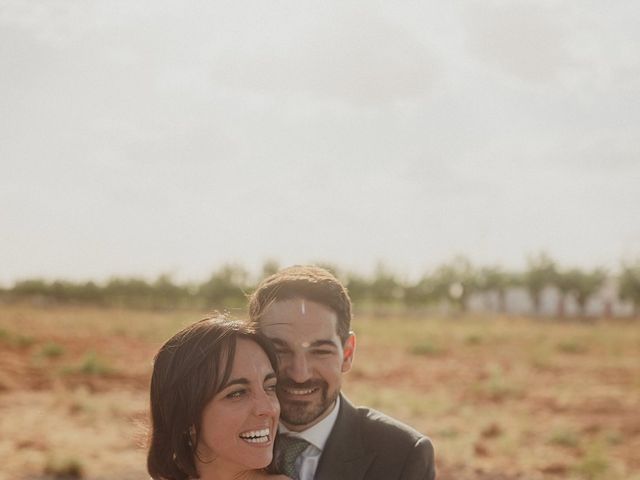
[[150, 137]]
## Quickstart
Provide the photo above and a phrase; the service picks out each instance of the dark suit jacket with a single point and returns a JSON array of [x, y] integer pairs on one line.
[[367, 445]]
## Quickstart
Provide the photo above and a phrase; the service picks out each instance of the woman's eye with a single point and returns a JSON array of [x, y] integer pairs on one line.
[[270, 388], [236, 394]]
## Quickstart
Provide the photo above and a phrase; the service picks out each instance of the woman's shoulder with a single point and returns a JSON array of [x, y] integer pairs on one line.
[[277, 477]]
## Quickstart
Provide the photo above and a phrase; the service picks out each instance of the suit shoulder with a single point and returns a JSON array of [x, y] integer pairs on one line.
[[400, 451], [377, 425]]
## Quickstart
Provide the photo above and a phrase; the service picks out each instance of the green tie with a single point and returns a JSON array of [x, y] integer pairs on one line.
[[290, 447]]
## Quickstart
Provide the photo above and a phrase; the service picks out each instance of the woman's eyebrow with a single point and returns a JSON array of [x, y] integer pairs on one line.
[[245, 381], [235, 381]]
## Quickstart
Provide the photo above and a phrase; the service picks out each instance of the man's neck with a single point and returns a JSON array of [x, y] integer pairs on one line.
[[317, 433], [317, 420]]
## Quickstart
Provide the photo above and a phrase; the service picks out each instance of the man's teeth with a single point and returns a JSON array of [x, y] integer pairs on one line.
[[256, 436], [300, 391]]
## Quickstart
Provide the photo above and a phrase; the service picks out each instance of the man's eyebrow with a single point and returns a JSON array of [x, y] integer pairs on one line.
[[278, 342], [323, 343]]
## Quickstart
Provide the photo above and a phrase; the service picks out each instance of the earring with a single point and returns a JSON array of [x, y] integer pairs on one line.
[[191, 435]]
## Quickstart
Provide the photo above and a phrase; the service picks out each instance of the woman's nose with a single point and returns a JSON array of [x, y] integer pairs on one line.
[[266, 404]]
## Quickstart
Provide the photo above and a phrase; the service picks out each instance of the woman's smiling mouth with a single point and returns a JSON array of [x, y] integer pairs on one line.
[[256, 436]]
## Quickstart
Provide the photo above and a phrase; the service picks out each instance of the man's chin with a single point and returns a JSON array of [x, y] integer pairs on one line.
[[299, 415]]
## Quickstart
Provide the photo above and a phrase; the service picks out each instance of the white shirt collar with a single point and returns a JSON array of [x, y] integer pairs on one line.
[[318, 434]]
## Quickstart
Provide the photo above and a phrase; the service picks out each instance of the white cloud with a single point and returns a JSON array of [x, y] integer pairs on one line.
[[148, 137], [528, 41], [355, 56]]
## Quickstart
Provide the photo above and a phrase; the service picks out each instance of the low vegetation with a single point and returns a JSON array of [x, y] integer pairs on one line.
[[502, 397], [67, 468]]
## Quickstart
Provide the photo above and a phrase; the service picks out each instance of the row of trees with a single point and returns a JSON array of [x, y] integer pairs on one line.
[[457, 281], [452, 283]]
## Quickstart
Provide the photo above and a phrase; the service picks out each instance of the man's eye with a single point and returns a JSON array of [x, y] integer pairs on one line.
[[322, 352]]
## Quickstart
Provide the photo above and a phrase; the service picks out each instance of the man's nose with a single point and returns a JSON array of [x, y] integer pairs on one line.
[[297, 368]]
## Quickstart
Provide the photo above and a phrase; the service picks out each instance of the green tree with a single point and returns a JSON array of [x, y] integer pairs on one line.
[[358, 286], [629, 285], [455, 281], [269, 267], [564, 281], [30, 288], [89, 292], [495, 279], [385, 287], [540, 273], [129, 292], [167, 294], [423, 292], [585, 285], [225, 287]]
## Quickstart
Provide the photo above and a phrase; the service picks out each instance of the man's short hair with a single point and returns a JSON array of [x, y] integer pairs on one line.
[[309, 282]]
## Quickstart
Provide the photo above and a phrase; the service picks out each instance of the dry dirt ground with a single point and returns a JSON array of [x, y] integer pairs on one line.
[[502, 398]]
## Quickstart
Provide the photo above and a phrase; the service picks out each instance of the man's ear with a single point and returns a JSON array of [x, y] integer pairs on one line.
[[349, 351]]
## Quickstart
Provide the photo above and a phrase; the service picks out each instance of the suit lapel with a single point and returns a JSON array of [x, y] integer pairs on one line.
[[344, 456]]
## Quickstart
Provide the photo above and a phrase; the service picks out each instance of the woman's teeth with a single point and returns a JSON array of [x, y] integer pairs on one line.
[[256, 436]]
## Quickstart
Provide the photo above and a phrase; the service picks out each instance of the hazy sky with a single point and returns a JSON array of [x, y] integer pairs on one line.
[[150, 137]]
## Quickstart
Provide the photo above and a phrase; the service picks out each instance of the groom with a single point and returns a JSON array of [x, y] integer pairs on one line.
[[306, 312]]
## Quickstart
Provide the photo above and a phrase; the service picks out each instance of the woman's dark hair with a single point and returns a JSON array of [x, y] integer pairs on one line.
[[188, 370]]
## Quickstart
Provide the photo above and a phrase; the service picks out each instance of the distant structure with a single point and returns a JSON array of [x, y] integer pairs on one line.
[[605, 303]]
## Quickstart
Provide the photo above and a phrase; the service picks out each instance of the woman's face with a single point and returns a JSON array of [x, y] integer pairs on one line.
[[240, 422]]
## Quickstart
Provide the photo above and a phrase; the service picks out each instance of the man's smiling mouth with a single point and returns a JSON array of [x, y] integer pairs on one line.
[[300, 391]]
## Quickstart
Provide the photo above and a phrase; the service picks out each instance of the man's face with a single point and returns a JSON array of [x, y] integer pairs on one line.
[[312, 359]]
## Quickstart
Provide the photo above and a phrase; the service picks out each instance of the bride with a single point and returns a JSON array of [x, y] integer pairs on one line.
[[214, 410]]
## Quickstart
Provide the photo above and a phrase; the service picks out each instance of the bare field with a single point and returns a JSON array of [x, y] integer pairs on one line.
[[502, 398]]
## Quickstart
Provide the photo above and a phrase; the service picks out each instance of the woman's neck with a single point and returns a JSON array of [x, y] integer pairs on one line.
[[210, 472]]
